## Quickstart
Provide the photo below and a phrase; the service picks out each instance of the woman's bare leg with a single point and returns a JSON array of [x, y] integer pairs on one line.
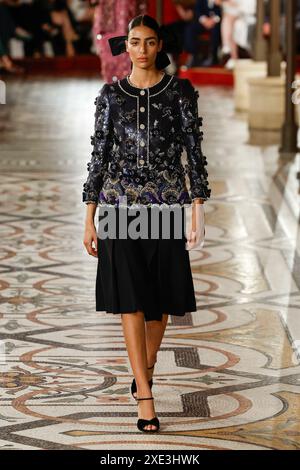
[[154, 334], [228, 41], [61, 18], [135, 339]]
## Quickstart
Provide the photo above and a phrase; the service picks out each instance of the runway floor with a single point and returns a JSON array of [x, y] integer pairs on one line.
[[228, 375]]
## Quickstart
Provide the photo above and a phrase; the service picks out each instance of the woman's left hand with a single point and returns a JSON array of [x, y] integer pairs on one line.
[[196, 233]]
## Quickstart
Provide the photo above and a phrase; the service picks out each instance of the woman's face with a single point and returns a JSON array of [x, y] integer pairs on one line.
[[143, 43]]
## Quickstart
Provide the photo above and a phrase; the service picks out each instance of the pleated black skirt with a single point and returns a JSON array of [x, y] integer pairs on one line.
[[152, 275]]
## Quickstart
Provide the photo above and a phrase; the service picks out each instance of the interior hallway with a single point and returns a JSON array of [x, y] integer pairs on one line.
[[227, 376]]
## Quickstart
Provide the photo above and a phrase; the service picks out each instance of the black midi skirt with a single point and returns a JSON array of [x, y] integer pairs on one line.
[[152, 275]]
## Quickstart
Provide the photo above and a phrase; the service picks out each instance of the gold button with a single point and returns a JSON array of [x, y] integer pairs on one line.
[[142, 109], [142, 126]]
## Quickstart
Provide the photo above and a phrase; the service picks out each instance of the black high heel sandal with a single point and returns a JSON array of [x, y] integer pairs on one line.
[[133, 384], [142, 423]]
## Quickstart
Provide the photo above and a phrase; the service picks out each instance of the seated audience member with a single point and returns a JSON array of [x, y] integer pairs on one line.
[[207, 18], [62, 16], [9, 30], [32, 15]]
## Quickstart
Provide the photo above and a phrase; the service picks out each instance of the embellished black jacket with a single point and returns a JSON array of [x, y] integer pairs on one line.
[[138, 141]]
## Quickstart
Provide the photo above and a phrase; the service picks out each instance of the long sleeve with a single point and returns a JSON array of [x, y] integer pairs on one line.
[[192, 137], [101, 143]]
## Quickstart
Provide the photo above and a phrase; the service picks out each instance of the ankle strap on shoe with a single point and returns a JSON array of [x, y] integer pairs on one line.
[[150, 398]]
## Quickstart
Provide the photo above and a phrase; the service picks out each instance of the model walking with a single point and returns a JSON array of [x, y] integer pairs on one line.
[[142, 123]]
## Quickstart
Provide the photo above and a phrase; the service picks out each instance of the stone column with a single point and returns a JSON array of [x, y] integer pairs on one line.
[[289, 128], [259, 52]]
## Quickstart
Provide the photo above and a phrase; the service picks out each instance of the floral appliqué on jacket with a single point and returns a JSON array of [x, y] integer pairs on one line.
[[138, 141]]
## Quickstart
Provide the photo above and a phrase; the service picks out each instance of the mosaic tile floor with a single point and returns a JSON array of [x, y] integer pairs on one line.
[[227, 376]]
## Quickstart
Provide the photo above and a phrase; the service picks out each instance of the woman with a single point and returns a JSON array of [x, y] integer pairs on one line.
[[9, 30], [142, 122]]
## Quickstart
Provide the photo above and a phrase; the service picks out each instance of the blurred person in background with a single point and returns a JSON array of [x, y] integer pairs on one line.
[[244, 26], [6, 64], [62, 16], [267, 25], [207, 19], [8, 31], [82, 14], [46, 20], [111, 19]]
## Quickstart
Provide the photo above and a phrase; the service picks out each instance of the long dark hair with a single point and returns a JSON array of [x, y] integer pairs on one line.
[[162, 59]]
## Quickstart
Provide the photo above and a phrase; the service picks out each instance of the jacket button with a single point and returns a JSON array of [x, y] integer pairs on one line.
[[142, 92], [142, 109], [142, 126], [142, 143], [142, 161]]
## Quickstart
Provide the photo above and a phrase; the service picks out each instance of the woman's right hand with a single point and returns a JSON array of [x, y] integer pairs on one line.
[[90, 237]]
